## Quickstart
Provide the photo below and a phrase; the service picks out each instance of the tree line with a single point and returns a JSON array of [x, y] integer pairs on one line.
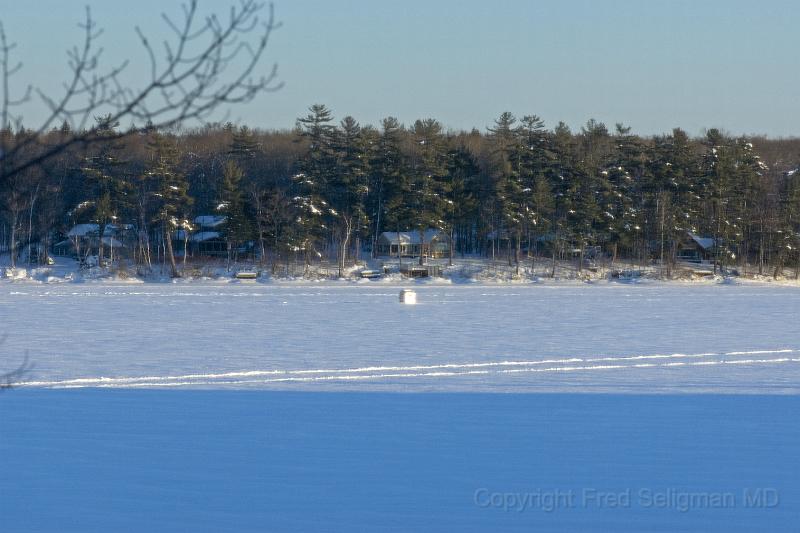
[[327, 189]]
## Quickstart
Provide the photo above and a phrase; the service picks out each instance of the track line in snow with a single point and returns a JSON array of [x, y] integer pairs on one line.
[[412, 371], [374, 377]]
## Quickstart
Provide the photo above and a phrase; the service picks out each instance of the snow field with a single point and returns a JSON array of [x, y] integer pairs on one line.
[[611, 337], [233, 460], [135, 444]]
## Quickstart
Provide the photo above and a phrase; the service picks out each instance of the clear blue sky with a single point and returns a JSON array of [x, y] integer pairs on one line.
[[729, 64]]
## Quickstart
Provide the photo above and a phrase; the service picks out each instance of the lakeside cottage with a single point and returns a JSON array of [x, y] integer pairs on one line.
[[84, 239], [695, 249], [434, 243], [207, 240]]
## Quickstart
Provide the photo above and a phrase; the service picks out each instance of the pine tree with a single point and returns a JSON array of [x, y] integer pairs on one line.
[[313, 181], [673, 169], [244, 145], [391, 183], [533, 192], [461, 208], [719, 170], [349, 186], [750, 218], [789, 222], [232, 204], [624, 196], [428, 172], [544, 209], [506, 173], [108, 183], [563, 179], [172, 193], [587, 218], [274, 215]]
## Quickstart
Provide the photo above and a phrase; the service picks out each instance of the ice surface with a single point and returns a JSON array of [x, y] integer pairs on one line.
[[246, 457], [603, 337], [165, 460]]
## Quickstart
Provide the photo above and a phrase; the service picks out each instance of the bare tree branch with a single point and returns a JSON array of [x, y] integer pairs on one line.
[[207, 66], [11, 378]]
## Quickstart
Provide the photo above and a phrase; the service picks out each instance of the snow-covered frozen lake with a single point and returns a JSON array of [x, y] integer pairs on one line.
[[605, 337], [262, 461], [302, 407]]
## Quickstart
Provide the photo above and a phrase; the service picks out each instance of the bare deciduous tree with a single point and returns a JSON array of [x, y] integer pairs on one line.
[[207, 64]]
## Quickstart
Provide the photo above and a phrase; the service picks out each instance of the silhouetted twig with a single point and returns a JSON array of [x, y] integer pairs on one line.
[[11, 378]]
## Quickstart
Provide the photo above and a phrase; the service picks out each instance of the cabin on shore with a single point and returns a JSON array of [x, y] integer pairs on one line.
[[208, 239], [84, 239], [434, 243], [695, 249]]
